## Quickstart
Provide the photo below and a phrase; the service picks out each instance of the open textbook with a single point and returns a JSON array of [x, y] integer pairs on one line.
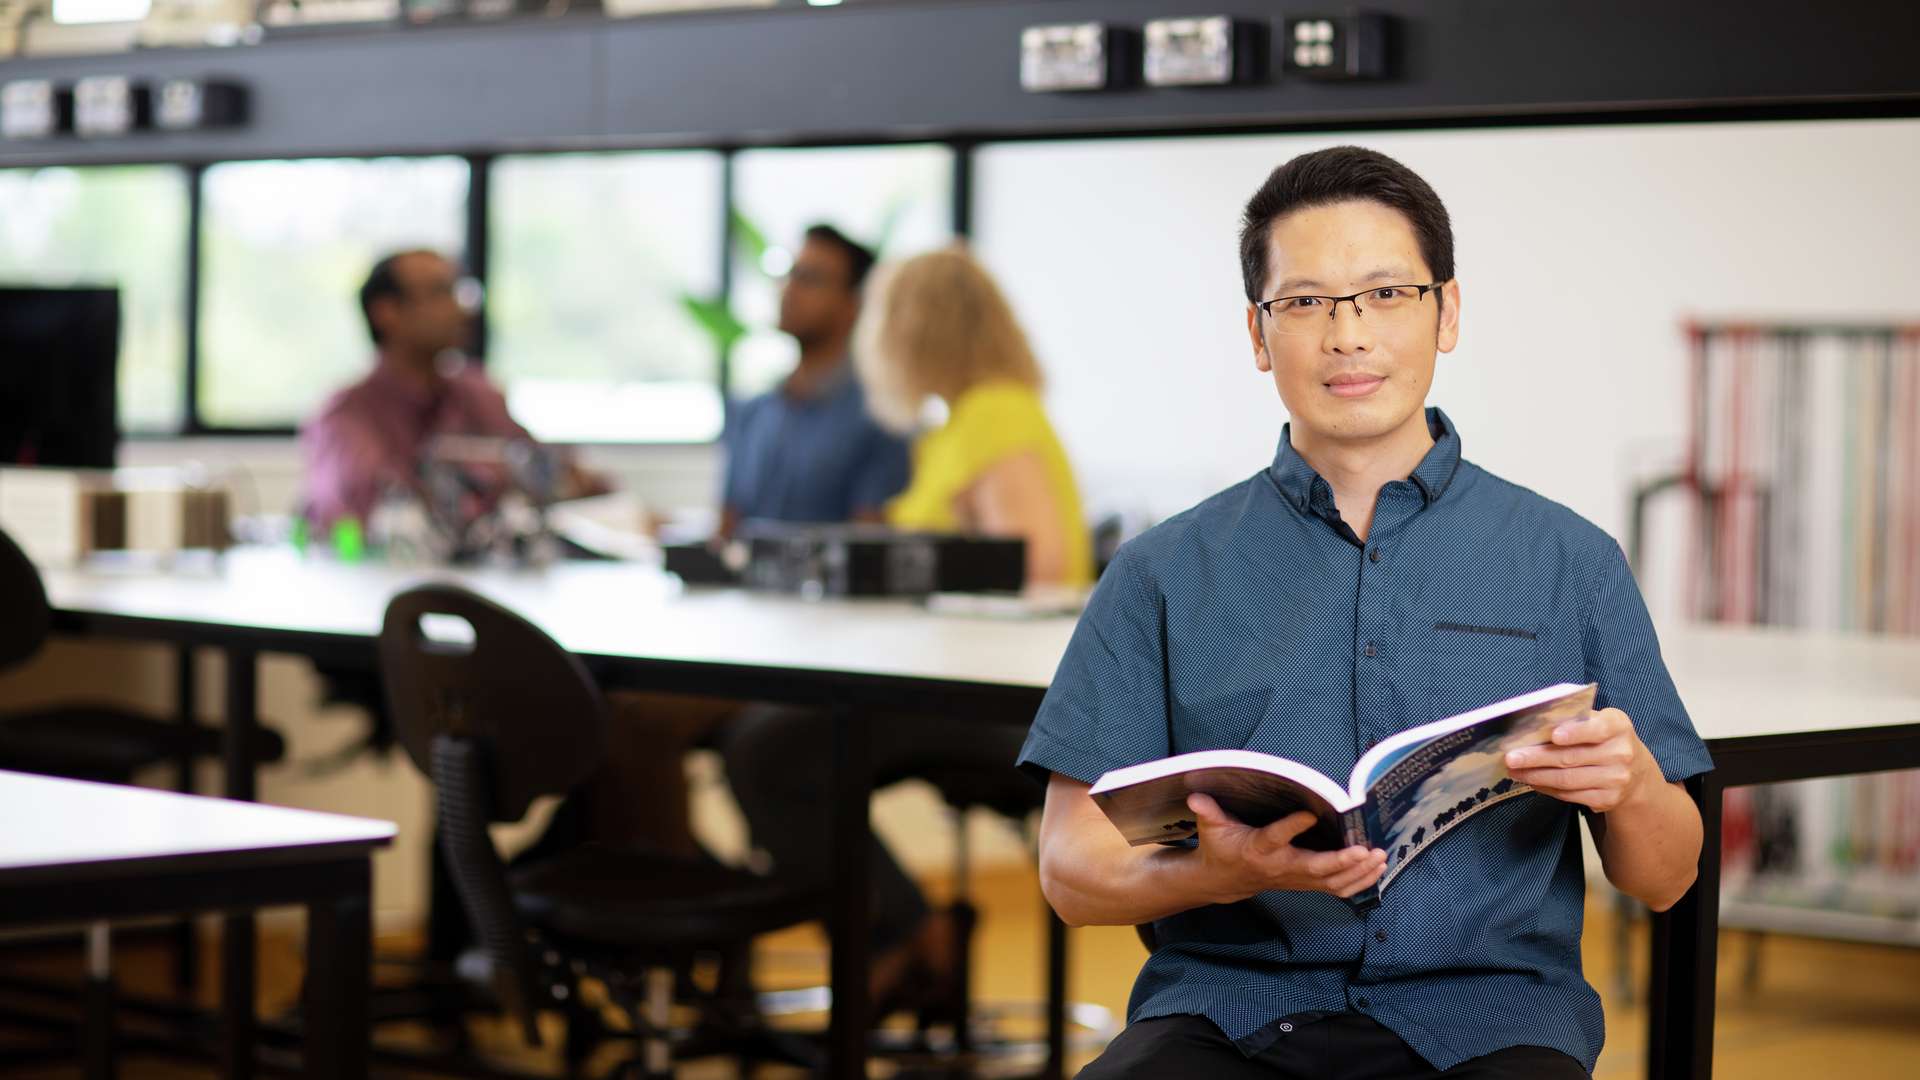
[[1403, 795]]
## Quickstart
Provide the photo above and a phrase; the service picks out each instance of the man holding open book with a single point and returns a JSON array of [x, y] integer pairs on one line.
[[1369, 582]]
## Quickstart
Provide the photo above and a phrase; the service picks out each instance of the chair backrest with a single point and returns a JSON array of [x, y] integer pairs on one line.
[[497, 714], [25, 616], [499, 680]]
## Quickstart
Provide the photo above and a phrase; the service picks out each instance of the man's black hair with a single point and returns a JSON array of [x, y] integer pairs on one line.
[[1343, 174], [383, 283], [860, 258]]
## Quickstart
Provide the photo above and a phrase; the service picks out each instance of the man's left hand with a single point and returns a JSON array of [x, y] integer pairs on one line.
[[1598, 762]]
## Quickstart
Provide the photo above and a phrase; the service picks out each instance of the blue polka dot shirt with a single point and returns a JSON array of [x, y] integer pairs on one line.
[[1258, 619]]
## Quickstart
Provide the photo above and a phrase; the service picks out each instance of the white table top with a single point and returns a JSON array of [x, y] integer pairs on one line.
[[51, 822], [1746, 681], [1735, 681], [599, 609]]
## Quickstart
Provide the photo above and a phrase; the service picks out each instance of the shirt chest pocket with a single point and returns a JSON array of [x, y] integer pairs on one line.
[[1469, 663]]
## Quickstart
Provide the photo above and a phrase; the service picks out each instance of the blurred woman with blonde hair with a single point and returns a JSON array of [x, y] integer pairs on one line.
[[937, 327], [934, 327]]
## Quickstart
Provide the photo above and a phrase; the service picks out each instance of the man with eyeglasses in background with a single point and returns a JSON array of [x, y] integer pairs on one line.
[[368, 438], [1368, 581], [806, 451]]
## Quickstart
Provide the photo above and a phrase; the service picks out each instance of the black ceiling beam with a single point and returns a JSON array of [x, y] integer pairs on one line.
[[898, 71]]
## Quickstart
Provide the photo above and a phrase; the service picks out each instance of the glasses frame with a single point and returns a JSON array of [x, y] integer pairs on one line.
[[1334, 302]]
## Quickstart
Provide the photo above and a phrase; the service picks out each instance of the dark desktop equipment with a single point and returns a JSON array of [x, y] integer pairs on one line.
[[59, 354], [699, 564], [870, 560]]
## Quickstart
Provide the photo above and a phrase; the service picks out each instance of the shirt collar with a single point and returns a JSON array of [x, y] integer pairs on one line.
[[837, 384], [1432, 476], [395, 384]]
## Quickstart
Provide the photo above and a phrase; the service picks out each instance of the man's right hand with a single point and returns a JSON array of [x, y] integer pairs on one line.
[[1239, 860]]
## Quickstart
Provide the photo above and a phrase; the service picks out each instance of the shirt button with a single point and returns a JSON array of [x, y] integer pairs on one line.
[[1371, 743], [1373, 555], [1360, 1003], [1379, 935], [1369, 650]]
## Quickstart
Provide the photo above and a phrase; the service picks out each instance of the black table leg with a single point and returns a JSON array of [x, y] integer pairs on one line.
[[243, 721], [1686, 941], [339, 962], [847, 922], [97, 1023], [237, 936], [186, 705], [236, 996], [1056, 995]]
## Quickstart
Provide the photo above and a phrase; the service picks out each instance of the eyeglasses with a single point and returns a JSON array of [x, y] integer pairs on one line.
[[465, 291], [814, 278], [1387, 304]]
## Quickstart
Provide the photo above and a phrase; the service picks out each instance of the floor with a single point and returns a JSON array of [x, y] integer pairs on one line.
[[1815, 1008]]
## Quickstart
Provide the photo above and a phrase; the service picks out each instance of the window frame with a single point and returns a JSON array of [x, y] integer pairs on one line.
[[477, 241]]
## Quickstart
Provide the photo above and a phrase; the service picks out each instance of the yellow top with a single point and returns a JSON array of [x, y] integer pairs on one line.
[[988, 424]]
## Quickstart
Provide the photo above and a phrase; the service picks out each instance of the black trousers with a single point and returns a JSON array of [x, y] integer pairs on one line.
[[1344, 1046]]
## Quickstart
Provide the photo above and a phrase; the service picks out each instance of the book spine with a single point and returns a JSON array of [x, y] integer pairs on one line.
[[1354, 825], [1353, 829]]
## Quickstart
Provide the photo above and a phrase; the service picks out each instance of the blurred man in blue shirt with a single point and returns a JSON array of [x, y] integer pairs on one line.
[[806, 451]]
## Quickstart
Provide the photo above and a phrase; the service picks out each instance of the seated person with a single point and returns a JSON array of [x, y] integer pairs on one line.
[[935, 326], [943, 331], [807, 451], [369, 437], [1317, 608]]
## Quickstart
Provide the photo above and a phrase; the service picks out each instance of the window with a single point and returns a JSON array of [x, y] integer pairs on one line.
[[286, 245], [897, 199], [120, 226], [598, 266]]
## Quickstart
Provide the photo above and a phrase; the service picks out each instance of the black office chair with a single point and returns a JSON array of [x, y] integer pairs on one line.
[[497, 714], [86, 741]]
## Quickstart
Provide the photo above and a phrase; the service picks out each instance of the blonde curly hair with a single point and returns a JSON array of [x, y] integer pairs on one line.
[[935, 325]]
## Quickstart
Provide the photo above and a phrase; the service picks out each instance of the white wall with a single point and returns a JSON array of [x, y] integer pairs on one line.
[[1579, 251]]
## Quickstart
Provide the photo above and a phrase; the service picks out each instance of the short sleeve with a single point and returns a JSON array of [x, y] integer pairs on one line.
[[988, 424], [1623, 657], [994, 422], [1107, 705]]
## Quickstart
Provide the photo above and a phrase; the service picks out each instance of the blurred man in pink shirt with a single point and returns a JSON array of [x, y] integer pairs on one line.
[[369, 437]]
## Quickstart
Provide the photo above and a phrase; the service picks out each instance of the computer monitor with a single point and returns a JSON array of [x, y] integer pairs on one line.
[[59, 351]]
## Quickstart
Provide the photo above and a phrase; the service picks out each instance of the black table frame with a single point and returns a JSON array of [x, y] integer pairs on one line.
[[1686, 938], [1684, 941], [333, 881], [851, 698]]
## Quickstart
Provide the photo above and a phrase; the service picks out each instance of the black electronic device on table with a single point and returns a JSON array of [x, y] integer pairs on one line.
[[59, 358], [872, 560]]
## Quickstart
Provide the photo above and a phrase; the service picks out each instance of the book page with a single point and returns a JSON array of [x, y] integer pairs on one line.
[[1431, 787], [1155, 810]]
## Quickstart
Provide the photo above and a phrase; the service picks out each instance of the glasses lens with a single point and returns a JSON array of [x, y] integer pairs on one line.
[[1385, 306], [469, 293]]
